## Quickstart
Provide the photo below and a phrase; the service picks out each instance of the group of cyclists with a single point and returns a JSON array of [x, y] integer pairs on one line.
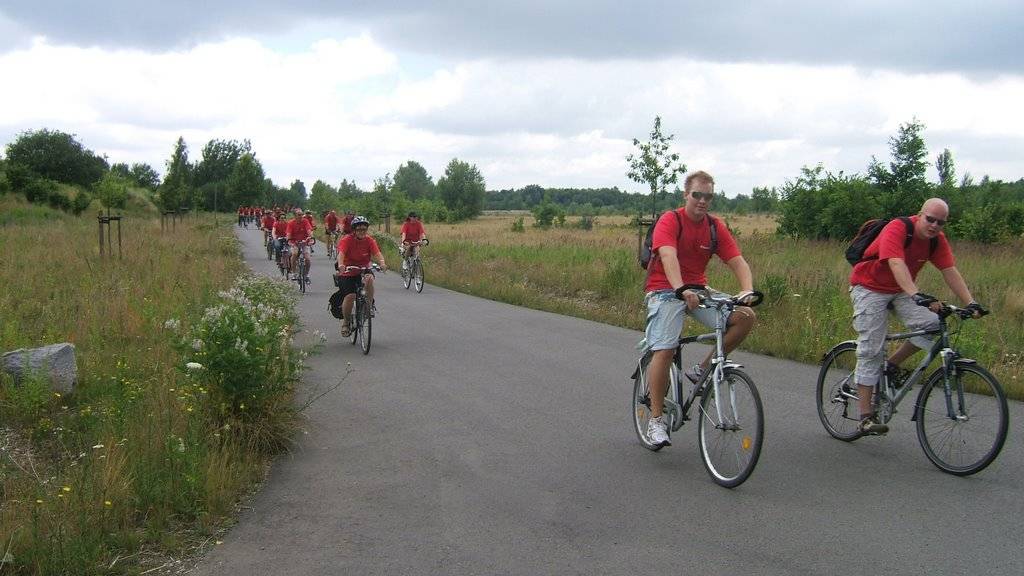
[[293, 229], [883, 280]]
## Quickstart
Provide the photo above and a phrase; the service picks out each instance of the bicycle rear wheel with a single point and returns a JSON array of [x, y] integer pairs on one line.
[[836, 393], [365, 327], [417, 274], [971, 440], [730, 429], [641, 405]]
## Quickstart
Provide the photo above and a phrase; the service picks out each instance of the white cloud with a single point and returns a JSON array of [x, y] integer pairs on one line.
[[351, 108]]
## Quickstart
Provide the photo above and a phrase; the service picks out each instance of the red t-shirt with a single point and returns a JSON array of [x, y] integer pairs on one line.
[[346, 224], [356, 252], [693, 249], [280, 227], [298, 230], [876, 275], [268, 221], [331, 222], [413, 230], [309, 220]]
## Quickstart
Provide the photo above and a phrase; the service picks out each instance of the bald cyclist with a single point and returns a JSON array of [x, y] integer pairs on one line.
[[885, 278]]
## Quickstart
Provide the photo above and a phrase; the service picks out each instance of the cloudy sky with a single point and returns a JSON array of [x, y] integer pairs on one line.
[[531, 91]]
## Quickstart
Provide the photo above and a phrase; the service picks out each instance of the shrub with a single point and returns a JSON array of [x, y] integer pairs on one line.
[[241, 351], [517, 225]]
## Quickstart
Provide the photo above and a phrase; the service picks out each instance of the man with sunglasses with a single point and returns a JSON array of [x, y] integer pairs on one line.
[[681, 248], [885, 279]]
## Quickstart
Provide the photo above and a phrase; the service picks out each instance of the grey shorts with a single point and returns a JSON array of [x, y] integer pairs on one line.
[[666, 315], [871, 321]]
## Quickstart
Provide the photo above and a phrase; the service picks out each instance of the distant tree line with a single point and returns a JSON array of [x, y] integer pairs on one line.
[[822, 204]]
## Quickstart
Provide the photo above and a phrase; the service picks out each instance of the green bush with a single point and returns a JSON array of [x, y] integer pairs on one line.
[[240, 351], [517, 225]]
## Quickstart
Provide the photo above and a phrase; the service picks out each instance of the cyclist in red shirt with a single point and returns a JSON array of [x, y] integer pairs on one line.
[[412, 232], [356, 249], [280, 232], [267, 225], [681, 246], [331, 226], [298, 233], [346, 222], [886, 277]]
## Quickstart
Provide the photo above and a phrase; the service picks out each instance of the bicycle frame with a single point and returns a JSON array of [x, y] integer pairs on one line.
[[941, 348], [712, 377]]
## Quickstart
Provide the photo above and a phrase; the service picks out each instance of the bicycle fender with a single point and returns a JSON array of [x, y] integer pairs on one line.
[[836, 347], [731, 364]]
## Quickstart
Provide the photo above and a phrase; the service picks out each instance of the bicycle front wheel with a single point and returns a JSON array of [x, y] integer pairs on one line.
[[642, 408], [406, 274], [365, 327], [970, 438], [303, 270], [730, 429], [417, 274], [836, 393]]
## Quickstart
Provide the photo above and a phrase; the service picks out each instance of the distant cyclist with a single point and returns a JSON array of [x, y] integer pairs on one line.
[[267, 225], [356, 249], [346, 222], [332, 225], [280, 232], [412, 233], [298, 234]]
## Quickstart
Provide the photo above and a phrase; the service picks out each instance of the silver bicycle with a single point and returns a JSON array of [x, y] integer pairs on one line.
[[730, 423]]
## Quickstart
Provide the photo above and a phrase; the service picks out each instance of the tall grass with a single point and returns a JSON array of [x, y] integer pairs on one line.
[[140, 456], [593, 274]]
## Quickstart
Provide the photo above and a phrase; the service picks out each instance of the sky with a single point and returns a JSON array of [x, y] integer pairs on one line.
[[530, 91]]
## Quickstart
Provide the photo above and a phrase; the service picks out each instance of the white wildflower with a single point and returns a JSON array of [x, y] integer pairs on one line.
[[172, 324], [97, 447], [191, 366]]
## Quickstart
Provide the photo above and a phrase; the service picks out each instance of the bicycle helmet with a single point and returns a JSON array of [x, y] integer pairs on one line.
[[360, 221]]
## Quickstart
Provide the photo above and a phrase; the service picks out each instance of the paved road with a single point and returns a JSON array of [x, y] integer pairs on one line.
[[482, 438]]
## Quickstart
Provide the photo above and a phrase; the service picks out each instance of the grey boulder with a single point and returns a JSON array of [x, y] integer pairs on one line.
[[55, 362]]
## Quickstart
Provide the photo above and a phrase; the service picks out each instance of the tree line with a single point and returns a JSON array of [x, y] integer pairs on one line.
[[227, 175]]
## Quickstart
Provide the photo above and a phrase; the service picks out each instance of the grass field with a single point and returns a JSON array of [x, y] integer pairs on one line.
[[146, 459], [593, 274]]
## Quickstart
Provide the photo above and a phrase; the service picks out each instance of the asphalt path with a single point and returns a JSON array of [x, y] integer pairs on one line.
[[483, 438]]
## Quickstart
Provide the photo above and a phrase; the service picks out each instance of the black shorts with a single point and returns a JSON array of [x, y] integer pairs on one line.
[[348, 284]]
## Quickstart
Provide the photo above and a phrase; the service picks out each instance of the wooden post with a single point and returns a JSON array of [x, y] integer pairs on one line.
[[99, 220]]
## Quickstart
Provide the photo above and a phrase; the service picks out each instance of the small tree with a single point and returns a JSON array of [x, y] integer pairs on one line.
[[947, 172], [462, 189], [655, 165]]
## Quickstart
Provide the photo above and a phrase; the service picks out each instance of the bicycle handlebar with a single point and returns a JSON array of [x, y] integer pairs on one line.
[[709, 301]]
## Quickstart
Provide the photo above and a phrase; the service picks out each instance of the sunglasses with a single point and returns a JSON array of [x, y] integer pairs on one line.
[[934, 220], [703, 195]]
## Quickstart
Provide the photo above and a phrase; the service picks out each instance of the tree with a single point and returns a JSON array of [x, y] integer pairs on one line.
[[322, 197], [112, 189], [245, 185], [947, 172], [904, 180], [176, 188], [462, 189], [763, 199], [56, 156], [297, 193], [412, 179], [655, 165]]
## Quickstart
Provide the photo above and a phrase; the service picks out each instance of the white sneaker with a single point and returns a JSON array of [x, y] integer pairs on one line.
[[657, 432]]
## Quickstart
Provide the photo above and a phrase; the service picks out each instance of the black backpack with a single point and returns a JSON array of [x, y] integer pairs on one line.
[[870, 230], [646, 250]]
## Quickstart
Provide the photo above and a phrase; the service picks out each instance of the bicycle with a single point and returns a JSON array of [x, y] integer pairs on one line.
[[303, 265], [730, 427], [282, 255], [268, 240], [332, 245], [412, 266], [961, 412], [362, 310]]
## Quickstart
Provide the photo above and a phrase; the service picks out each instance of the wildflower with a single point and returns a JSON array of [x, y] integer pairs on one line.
[[197, 344], [97, 447], [172, 324], [107, 503], [56, 394], [193, 366], [66, 488], [39, 501]]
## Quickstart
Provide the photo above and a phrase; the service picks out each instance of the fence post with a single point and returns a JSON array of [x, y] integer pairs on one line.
[[99, 221]]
